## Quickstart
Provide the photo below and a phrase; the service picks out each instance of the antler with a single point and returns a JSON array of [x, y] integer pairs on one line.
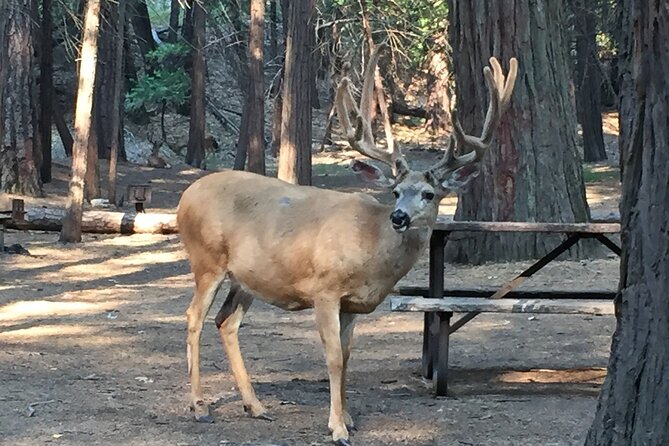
[[361, 138], [499, 89]]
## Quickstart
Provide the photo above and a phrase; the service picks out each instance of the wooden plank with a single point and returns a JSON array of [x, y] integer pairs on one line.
[[518, 226], [516, 294], [506, 305]]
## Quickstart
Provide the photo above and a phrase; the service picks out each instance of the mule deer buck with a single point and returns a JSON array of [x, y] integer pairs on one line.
[[299, 247]]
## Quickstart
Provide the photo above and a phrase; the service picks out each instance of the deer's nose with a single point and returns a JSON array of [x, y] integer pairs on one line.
[[400, 220]]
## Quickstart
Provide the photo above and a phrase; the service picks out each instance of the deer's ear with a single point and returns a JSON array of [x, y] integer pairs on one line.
[[369, 173], [458, 180]]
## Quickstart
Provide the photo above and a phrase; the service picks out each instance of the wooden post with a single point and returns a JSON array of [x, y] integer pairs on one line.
[[440, 378], [436, 290], [18, 210]]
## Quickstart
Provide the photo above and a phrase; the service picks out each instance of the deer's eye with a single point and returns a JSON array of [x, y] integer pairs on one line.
[[396, 193], [428, 196]]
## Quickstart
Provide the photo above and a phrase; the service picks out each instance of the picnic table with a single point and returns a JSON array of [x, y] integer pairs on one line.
[[439, 304]]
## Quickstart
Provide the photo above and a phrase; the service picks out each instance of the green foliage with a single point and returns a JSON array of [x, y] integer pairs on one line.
[[168, 84], [409, 26]]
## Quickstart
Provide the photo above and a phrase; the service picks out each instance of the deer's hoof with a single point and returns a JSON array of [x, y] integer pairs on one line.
[[201, 412], [349, 422], [257, 411], [343, 442], [206, 418], [264, 416]]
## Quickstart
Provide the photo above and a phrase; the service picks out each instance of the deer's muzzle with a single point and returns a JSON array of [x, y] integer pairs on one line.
[[400, 220]]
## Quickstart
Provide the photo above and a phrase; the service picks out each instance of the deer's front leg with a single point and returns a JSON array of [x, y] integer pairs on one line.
[[327, 320], [347, 323]]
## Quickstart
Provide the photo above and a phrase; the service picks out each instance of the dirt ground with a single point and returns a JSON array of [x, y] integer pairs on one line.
[[92, 350]]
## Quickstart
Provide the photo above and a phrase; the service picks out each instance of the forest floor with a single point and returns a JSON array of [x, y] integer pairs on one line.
[[92, 346]]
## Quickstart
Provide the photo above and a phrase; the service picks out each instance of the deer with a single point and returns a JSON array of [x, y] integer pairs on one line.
[[302, 247]]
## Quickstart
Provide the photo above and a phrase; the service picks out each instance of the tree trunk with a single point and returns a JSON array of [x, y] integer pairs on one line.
[[438, 105], [255, 106], [64, 132], [241, 154], [92, 176], [71, 231], [18, 173], [45, 91], [117, 96], [277, 88], [588, 82], [175, 12], [276, 122], [633, 407], [195, 149], [104, 110], [532, 171], [141, 23], [273, 39], [100, 222], [295, 152]]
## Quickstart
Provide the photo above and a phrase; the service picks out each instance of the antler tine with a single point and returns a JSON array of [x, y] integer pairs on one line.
[[500, 89], [362, 137], [343, 101], [504, 86]]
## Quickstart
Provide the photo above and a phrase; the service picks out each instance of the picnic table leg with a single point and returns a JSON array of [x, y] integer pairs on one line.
[[440, 381], [436, 290]]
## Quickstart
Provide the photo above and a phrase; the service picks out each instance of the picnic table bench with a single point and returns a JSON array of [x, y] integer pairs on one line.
[[439, 303]]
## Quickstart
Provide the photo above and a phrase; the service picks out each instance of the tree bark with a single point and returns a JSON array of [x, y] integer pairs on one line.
[[71, 230], [175, 13], [100, 222], [104, 110], [255, 105], [117, 96], [18, 133], [588, 82], [92, 176], [46, 91], [141, 24], [438, 105], [195, 149], [532, 171], [295, 152], [632, 408], [273, 39], [277, 89], [64, 132]]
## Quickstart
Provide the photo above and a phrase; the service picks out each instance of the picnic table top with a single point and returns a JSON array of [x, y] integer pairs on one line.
[[517, 226]]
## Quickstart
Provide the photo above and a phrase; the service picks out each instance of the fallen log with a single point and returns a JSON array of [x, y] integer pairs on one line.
[[98, 222]]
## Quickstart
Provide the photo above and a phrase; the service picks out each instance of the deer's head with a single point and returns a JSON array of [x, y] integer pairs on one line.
[[418, 193]]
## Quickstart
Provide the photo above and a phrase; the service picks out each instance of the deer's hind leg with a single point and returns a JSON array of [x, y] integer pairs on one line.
[[228, 320], [207, 282]]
